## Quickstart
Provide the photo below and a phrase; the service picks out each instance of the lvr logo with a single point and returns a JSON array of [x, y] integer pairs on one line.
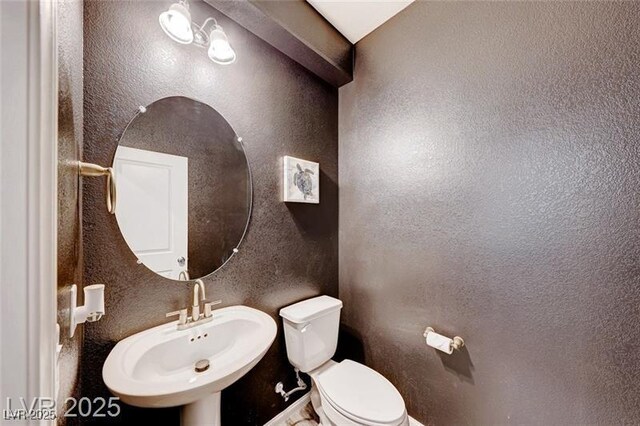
[[39, 408]]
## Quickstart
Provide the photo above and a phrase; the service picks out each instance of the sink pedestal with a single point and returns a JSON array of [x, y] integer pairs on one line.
[[205, 411]]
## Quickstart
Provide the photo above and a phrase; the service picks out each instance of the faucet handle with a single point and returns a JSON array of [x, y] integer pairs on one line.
[[208, 305], [182, 316]]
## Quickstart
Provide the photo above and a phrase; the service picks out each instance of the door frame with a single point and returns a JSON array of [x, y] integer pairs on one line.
[[28, 199]]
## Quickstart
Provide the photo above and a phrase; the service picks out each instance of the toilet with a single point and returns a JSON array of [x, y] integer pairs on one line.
[[343, 393]]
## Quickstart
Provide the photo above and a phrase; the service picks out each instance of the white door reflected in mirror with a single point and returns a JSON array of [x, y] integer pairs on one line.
[[184, 188], [153, 193]]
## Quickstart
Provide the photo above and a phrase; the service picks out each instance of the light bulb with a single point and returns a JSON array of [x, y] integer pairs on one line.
[[220, 51], [176, 23]]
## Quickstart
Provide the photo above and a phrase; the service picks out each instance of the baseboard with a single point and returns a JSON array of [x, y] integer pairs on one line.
[[414, 422], [281, 418]]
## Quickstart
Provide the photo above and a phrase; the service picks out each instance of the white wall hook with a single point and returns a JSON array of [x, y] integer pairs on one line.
[[93, 308]]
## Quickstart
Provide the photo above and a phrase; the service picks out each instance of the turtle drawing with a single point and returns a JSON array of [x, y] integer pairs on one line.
[[303, 180]]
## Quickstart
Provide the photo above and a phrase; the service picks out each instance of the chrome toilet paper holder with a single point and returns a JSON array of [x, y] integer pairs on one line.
[[457, 342]]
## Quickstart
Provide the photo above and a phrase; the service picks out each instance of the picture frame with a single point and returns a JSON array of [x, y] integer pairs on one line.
[[301, 181]]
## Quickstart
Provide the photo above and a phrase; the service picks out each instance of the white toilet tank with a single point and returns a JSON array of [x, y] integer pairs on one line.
[[311, 331]]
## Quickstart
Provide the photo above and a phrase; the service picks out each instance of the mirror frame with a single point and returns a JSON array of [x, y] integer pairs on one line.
[[143, 109]]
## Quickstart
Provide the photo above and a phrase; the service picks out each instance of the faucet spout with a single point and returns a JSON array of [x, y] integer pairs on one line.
[[201, 286], [198, 295]]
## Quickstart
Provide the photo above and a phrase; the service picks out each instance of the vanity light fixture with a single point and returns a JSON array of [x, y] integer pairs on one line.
[[176, 23]]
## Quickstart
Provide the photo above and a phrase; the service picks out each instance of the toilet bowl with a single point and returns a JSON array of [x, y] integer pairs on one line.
[[349, 393], [343, 393]]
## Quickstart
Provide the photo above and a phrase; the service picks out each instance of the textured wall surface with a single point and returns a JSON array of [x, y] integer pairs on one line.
[[69, 194], [489, 175], [289, 252]]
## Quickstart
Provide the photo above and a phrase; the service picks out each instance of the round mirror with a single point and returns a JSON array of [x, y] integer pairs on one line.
[[183, 186]]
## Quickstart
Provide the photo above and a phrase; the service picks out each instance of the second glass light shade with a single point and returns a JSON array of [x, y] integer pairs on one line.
[[220, 51]]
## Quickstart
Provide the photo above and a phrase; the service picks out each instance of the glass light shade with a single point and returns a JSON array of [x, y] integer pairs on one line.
[[176, 22], [220, 51]]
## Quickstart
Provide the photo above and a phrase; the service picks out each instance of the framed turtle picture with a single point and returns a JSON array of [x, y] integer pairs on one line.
[[301, 182]]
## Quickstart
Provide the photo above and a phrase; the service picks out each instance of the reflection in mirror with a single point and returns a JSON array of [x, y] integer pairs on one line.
[[184, 188]]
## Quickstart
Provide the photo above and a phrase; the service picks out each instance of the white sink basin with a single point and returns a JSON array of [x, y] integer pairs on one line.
[[156, 367]]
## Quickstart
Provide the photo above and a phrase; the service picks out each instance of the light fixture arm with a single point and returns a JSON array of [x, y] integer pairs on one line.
[[201, 36], [206, 21]]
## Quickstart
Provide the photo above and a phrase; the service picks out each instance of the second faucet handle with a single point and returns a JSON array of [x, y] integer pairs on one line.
[[182, 316], [208, 305]]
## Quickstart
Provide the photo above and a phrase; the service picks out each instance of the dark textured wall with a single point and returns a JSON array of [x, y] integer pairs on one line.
[[289, 252], [489, 175], [69, 194]]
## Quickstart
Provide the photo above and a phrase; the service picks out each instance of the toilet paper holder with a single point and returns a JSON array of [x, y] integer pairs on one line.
[[457, 342]]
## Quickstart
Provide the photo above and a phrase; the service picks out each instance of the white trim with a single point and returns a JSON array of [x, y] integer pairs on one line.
[[281, 418], [28, 199], [414, 422], [43, 202], [2, 134]]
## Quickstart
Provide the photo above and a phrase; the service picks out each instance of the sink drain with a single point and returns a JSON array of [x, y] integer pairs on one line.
[[202, 365]]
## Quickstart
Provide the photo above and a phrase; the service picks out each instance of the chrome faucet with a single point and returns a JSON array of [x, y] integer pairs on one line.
[[184, 321]]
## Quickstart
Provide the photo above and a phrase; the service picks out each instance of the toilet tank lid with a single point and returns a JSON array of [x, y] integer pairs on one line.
[[310, 309]]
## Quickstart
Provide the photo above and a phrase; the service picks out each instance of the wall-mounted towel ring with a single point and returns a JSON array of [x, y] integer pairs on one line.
[[90, 169]]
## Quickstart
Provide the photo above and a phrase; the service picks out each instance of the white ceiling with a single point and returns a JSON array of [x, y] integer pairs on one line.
[[357, 18]]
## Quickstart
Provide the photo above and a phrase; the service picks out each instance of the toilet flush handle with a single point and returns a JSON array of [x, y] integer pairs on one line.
[[305, 327]]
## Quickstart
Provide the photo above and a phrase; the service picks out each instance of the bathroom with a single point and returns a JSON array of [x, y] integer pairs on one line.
[[402, 212]]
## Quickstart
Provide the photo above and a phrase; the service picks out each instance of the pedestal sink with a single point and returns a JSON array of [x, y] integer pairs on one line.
[[157, 367]]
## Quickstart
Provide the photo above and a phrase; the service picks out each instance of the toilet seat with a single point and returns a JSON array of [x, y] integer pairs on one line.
[[361, 394]]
